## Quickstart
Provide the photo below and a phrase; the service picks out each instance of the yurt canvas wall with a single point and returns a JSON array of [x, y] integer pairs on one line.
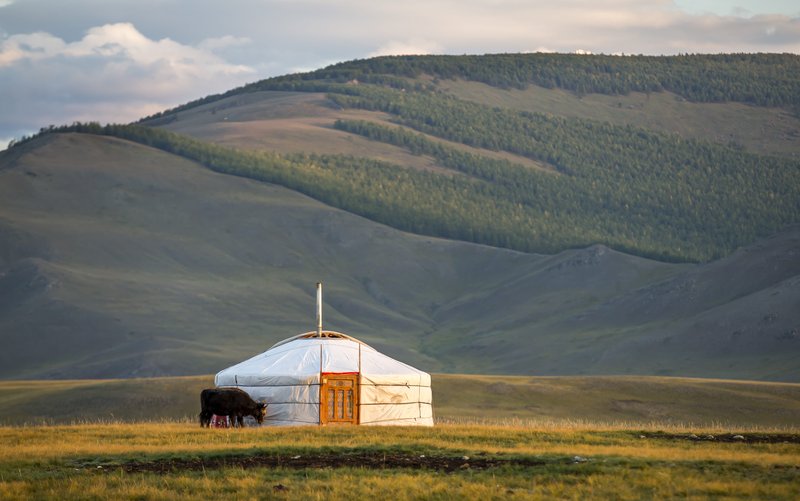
[[332, 378]]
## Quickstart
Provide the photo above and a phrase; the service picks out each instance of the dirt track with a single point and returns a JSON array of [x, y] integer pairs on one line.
[[445, 463], [360, 460], [748, 438]]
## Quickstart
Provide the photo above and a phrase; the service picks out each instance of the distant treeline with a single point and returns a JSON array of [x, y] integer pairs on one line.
[[650, 195], [763, 79], [760, 79]]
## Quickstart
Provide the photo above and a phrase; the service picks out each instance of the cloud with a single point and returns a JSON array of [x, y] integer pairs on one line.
[[114, 73], [122, 46], [32, 46], [224, 42], [405, 48]]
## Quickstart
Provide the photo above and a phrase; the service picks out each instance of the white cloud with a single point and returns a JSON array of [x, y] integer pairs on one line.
[[405, 48], [224, 42], [32, 46], [114, 73]]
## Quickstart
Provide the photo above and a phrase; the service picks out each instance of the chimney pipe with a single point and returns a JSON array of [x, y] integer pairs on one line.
[[319, 309]]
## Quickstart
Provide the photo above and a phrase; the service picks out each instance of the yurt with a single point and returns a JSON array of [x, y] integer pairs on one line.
[[329, 378]]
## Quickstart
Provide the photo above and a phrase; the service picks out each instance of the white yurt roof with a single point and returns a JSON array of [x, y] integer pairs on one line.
[[300, 360]]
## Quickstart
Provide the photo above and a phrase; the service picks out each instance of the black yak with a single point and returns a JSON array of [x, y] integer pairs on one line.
[[231, 402]]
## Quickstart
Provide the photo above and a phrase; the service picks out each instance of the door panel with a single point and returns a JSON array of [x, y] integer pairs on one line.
[[339, 399]]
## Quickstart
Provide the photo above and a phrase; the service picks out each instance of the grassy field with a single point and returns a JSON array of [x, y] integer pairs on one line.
[[495, 437], [179, 460]]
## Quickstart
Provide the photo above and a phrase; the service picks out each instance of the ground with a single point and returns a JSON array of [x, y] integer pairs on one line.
[[541, 460]]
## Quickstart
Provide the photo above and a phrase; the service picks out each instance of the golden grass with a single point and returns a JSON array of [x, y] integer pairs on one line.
[[559, 425], [354, 484], [81, 462], [54, 442]]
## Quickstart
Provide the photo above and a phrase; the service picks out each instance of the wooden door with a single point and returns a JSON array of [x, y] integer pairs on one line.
[[339, 399]]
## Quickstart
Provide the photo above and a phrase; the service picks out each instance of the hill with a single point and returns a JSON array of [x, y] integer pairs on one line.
[[673, 158], [495, 150], [635, 401], [697, 97], [107, 273]]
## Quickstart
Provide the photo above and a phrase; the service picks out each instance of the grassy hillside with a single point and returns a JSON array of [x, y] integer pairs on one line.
[[760, 129], [642, 401], [696, 206], [624, 91], [122, 281], [125, 283], [673, 182], [683, 170]]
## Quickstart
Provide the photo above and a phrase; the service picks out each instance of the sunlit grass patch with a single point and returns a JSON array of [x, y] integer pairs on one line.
[[576, 481], [567, 460]]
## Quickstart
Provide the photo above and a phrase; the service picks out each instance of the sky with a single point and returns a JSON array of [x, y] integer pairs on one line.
[[120, 60]]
